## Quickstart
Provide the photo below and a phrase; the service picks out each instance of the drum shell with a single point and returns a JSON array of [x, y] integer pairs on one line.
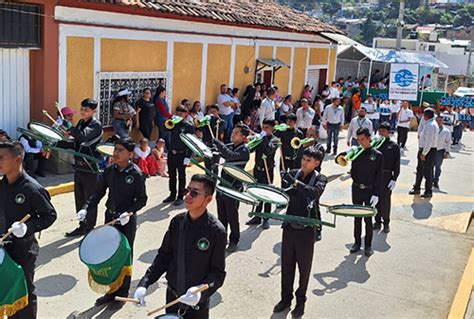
[[13, 287]]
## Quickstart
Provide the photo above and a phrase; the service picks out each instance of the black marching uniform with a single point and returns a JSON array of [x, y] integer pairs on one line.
[[298, 240], [228, 208], [25, 196], [289, 153], [127, 194], [192, 253], [391, 169], [85, 179], [176, 155], [211, 164], [366, 173]]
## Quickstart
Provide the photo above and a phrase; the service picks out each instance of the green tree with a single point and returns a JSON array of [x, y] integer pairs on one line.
[[446, 18], [331, 7], [462, 18], [369, 29]]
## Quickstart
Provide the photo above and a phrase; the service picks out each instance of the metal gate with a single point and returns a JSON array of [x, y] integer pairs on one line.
[[14, 89]]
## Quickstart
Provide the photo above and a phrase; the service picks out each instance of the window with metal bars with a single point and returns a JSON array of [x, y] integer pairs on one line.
[[20, 25]]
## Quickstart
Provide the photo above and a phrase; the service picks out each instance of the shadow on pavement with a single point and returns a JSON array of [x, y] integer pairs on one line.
[[422, 209], [281, 315], [155, 214], [148, 256], [269, 272], [216, 299], [379, 242], [248, 236], [56, 249], [351, 269], [55, 285]]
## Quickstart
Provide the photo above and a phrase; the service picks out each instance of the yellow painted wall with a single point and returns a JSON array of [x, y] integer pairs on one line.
[[282, 76], [265, 52], [187, 66], [332, 66], [244, 56], [132, 55], [218, 70], [79, 70], [318, 56], [299, 72]]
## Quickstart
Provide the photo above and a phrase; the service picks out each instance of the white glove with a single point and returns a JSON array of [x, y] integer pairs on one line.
[[191, 298], [186, 162], [374, 200], [124, 218], [263, 133], [391, 185], [81, 215], [19, 229], [140, 295]]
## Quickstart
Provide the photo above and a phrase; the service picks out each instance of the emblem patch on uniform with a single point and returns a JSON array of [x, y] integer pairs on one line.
[[203, 244], [129, 179], [20, 199], [372, 157], [390, 147]]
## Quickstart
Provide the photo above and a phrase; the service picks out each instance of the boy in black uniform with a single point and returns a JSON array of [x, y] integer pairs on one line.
[[178, 158], [213, 111], [265, 151], [391, 169], [85, 178], [20, 195], [192, 253], [127, 194], [238, 155], [298, 240], [289, 153], [366, 173]]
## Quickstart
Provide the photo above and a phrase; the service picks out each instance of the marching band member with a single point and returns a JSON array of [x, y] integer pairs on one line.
[[192, 253], [178, 158], [127, 194], [285, 137], [238, 154], [356, 123], [297, 239], [264, 165], [20, 194], [366, 173], [216, 125], [391, 169], [87, 129]]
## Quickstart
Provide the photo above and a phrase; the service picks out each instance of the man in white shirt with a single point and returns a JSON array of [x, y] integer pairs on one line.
[[394, 108], [427, 143], [358, 122], [267, 108], [449, 118], [333, 119], [304, 116], [226, 111], [33, 152], [333, 91], [405, 115], [442, 150], [371, 106]]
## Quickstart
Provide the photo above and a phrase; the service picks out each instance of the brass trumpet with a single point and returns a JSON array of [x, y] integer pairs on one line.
[[296, 142], [170, 123], [254, 141], [206, 120], [351, 155]]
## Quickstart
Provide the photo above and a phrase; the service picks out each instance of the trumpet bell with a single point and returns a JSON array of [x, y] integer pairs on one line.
[[295, 143], [341, 159], [169, 124]]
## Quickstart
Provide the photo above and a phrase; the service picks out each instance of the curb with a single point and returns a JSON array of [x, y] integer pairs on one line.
[[461, 299], [60, 189]]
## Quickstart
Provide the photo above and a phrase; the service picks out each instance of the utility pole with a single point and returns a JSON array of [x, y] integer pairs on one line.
[[468, 71], [400, 25]]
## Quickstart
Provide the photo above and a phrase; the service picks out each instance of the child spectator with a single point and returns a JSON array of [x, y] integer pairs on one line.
[[159, 154], [143, 158]]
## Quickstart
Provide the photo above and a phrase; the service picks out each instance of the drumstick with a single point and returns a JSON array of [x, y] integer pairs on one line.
[[127, 299], [282, 158], [59, 110], [266, 168], [217, 128], [174, 302], [210, 130], [23, 220], [45, 113], [111, 222]]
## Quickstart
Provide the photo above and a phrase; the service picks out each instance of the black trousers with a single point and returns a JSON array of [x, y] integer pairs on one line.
[[176, 169], [362, 197], [129, 230], [261, 178], [228, 213], [202, 311], [385, 201], [30, 163], [84, 188], [24, 252], [146, 129], [402, 136], [297, 248], [425, 169]]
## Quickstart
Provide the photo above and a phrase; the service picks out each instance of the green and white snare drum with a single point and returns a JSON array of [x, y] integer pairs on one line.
[[268, 194], [352, 210], [196, 145], [106, 149], [13, 287], [238, 174], [107, 254], [46, 134], [240, 196], [169, 316]]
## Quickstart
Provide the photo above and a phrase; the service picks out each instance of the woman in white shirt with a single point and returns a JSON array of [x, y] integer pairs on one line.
[[286, 108]]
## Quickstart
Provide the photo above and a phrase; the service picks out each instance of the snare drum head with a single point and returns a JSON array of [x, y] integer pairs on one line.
[[2, 255], [46, 132], [267, 194], [196, 145], [352, 210], [106, 149], [99, 245], [169, 316], [239, 174], [243, 197]]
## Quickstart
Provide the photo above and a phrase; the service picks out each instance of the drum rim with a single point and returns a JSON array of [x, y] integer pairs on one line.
[[248, 199], [370, 210], [175, 315], [268, 187], [3, 255], [200, 153], [106, 145], [98, 229], [225, 166], [49, 128]]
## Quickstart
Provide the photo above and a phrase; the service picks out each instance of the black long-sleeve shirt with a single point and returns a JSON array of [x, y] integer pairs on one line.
[[237, 155], [203, 265], [84, 132], [367, 170], [391, 158], [25, 196], [206, 134], [286, 137], [127, 191], [267, 147], [176, 143]]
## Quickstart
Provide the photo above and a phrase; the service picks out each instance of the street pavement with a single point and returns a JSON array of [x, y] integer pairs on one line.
[[414, 272]]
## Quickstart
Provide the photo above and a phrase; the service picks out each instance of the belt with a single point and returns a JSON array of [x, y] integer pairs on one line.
[[362, 186], [334, 123], [177, 152], [289, 158]]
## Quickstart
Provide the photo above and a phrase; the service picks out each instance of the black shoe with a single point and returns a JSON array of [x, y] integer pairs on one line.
[[298, 311], [328, 151], [281, 306], [376, 226], [232, 248], [414, 191], [265, 224], [426, 195], [104, 299], [317, 235], [178, 201], [254, 221], [386, 229], [355, 248], [333, 153], [368, 251], [436, 185], [169, 199], [79, 231]]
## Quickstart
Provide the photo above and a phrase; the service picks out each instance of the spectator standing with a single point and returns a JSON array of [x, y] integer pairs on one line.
[[307, 92], [405, 115], [238, 105], [356, 102], [394, 108], [334, 91], [286, 108], [304, 116], [385, 111], [146, 113], [317, 107], [267, 108], [442, 150], [226, 110], [357, 123], [162, 114], [371, 106], [333, 119], [123, 114]]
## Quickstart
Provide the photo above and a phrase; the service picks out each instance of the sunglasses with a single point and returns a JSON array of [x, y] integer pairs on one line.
[[192, 192]]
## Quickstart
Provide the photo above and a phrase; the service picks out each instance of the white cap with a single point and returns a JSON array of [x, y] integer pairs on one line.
[[123, 92]]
